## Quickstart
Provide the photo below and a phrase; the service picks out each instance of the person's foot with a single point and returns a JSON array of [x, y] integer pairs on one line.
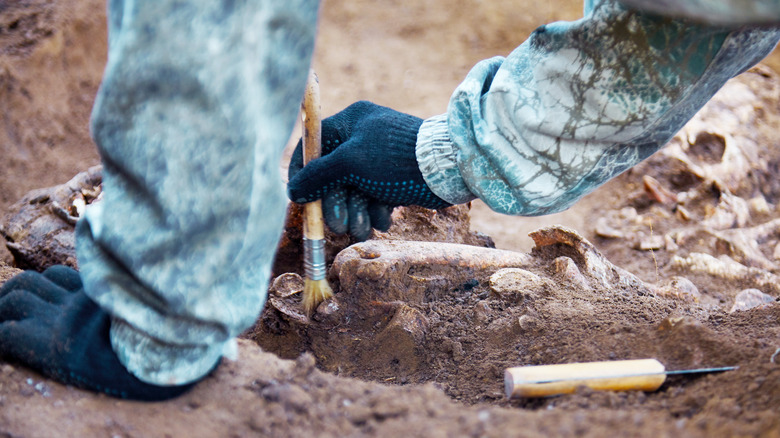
[[48, 324]]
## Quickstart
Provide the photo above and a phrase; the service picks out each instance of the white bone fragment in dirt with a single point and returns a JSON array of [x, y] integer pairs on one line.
[[745, 244], [388, 270], [731, 211], [726, 268], [555, 241], [516, 284], [657, 191]]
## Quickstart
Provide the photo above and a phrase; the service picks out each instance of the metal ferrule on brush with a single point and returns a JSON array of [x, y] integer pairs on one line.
[[314, 259]]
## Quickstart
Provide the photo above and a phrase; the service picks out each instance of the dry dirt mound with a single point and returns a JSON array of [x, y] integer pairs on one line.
[[434, 324]]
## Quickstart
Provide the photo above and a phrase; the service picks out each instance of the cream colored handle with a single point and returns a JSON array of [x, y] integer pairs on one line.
[[547, 380]]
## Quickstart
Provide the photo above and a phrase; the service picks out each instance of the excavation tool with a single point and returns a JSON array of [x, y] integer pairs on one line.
[[622, 375], [316, 288]]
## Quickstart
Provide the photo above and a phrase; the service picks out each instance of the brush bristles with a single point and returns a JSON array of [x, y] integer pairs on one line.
[[315, 292]]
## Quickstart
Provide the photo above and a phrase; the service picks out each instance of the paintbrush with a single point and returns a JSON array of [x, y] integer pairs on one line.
[[316, 288]]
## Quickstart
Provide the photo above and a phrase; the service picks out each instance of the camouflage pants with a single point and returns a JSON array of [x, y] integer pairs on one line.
[[196, 104]]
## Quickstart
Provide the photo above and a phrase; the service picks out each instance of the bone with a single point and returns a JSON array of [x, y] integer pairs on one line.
[[727, 269], [552, 242], [405, 270]]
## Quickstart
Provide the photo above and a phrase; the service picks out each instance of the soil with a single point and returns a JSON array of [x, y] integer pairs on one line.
[[654, 264]]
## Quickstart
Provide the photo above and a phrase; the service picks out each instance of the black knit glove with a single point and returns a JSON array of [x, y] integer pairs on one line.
[[368, 167], [48, 324]]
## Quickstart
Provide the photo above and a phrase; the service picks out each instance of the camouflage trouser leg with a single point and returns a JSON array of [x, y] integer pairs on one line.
[[196, 105]]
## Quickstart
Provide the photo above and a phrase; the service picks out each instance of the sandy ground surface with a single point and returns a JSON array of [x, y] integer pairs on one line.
[[429, 362]]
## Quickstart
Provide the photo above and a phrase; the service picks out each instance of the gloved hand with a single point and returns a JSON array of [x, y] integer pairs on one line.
[[368, 167], [48, 324]]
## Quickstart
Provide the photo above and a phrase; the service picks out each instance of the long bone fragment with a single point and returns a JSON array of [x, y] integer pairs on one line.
[[409, 271]]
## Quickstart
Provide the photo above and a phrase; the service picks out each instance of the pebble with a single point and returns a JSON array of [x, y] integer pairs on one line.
[[677, 322], [651, 243], [527, 323], [515, 284], [751, 299], [482, 311], [680, 288], [604, 229], [758, 206]]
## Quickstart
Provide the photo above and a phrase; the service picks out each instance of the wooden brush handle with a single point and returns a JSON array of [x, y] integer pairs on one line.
[[313, 227]]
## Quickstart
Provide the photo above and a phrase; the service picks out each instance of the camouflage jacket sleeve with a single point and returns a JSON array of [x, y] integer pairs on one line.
[[577, 104], [730, 12]]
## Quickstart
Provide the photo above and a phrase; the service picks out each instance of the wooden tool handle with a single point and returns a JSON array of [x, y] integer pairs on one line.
[[313, 227], [547, 380]]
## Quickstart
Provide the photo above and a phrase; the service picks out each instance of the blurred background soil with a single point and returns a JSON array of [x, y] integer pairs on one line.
[[409, 56]]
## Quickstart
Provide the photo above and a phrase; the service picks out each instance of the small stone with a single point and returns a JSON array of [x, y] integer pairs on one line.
[[751, 299], [628, 213], [328, 308], [605, 230], [683, 213], [42, 389], [79, 205], [680, 288], [671, 322], [670, 244], [482, 311], [731, 211], [758, 206], [527, 323], [515, 284], [651, 243], [656, 191]]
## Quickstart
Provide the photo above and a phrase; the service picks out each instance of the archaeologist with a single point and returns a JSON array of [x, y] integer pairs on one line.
[[199, 98]]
